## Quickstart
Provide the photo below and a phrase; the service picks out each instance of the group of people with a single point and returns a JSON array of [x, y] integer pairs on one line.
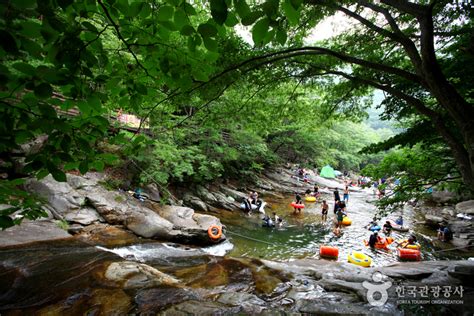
[[276, 221]]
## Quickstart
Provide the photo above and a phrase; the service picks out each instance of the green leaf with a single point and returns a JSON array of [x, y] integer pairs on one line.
[[135, 9], [187, 30], [291, 13], [22, 136], [8, 43], [25, 68], [242, 8], [84, 107], [141, 88], [83, 167], [219, 11], [207, 30], [189, 9], [252, 17], [71, 165], [210, 44], [31, 29], [6, 221], [58, 175], [180, 19], [108, 158], [89, 26], [165, 13], [42, 173], [270, 7], [24, 4], [98, 165], [231, 20], [43, 90], [281, 36], [260, 30]]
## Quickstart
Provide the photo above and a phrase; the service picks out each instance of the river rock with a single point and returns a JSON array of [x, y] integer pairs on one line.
[[466, 207], [96, 302], [250, 303], [442, 197], [107, 235], [205, 195], [433, 220], [236, 195], [151, 301], [132, 275], [84, 216], [60, 195], [194, 307], [130, 213], [32, 231], [153, 192], [195, 202]]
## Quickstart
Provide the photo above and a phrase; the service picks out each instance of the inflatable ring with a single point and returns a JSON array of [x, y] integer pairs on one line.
[[310, 199], [293, 204], [328, 252], [409, 254], [346, 221], [360, 259], [214, 232]]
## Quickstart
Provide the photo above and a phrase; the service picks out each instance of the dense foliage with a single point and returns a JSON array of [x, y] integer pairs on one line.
[[212, 105]]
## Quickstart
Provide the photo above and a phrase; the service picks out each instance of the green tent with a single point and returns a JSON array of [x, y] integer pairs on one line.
[[327, 172]]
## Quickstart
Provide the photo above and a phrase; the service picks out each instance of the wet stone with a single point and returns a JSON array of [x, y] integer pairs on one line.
[[250, 303], [194, 307], [157, 299]]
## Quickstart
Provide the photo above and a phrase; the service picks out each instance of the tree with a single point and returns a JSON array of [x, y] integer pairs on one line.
[[393, 47]]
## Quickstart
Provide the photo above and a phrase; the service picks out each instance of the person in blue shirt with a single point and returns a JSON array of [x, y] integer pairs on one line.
[[399, 220]]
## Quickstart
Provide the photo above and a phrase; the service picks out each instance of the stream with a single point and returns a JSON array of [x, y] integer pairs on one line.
[[68, 277]]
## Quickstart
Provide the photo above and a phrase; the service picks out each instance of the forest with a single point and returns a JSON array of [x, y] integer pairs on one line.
[[213, 105]]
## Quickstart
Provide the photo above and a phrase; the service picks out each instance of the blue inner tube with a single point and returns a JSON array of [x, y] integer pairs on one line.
[[375, 228]]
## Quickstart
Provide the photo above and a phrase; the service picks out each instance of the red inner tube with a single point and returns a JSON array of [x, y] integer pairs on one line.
[[293, 204], [328, 252]]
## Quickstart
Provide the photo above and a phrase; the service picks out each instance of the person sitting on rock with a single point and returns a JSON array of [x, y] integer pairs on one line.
[[138, 194], [399, 220]]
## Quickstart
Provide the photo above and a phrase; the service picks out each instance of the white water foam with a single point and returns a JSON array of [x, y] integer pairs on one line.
[[220, 249]]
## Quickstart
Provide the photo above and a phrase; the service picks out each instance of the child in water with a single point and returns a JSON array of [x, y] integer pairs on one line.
[[299, 201]]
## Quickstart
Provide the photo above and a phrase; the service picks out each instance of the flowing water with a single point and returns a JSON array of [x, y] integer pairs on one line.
[[302, 234]]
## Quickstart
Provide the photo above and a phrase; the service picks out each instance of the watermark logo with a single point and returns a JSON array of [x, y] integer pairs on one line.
[[377, 294]]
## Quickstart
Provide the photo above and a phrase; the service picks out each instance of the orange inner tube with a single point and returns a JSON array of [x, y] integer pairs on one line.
[[214, 232]]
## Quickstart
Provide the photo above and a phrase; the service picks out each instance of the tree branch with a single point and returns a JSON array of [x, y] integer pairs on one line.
[[116, 27]]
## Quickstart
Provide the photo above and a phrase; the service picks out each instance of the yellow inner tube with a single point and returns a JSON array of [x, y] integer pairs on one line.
[[346, 221], [404, 244], [310, 199], [359, 259]]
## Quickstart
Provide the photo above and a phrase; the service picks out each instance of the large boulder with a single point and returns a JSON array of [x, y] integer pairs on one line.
[[195, 202], [32, 231], [118, 210], [83, 216], [466, 207], [193, 227], [61, 196]]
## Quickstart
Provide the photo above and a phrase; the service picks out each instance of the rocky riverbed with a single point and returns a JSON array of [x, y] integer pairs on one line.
[[118, 255]]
